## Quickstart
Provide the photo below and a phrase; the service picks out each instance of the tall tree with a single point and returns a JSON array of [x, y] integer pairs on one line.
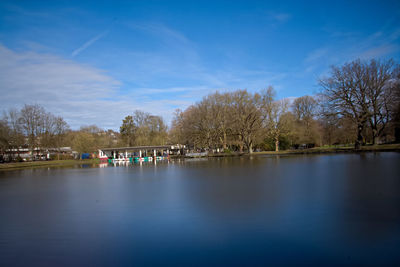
[[13, 119], [32, 119], [158, 130], [221, 116], [345, 94], [395, 109], [247, 117], [61, 128], [361, 91], [304, 109], [5, 136], [47, 137], [176, 133], [128, 130], [278, 120], [379, 94], [142, 128]]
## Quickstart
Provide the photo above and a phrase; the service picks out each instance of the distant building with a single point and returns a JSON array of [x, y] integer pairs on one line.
[[38, 153]]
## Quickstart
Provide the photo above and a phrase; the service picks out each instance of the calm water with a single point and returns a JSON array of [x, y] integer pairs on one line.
[[324, 209]]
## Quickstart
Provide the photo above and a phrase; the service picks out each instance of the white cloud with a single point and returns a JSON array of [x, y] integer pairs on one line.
[[157, 82], [79, 93]]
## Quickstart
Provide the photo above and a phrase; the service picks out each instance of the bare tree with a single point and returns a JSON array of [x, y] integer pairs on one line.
[[5, 136], [395, 105], [32, 119], [380, 94], [345, 94], [176, 133], [361, 91], [278, 120], [221, 117], [247, 117], [157, 130], [304, 108], [47, 137], [197, 125], [13, 120], [60, 130]]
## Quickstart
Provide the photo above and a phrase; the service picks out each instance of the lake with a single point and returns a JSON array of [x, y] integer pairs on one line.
[[317, 209]]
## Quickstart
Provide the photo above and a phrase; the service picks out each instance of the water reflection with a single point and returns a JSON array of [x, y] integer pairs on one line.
[[370, 209], [322, 209]]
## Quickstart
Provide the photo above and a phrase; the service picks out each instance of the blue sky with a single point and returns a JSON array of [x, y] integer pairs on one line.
[[96, 62]]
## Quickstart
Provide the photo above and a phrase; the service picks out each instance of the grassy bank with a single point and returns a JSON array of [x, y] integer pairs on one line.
[[50, 163], [332, 149], [316, 150]]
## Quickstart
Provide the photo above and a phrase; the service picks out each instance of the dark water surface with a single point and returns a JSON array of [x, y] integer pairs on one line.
[[323, 209]]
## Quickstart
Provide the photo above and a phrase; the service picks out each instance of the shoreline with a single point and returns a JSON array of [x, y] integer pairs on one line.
[[317, 150], [47, 163], [333, 150], [309, 151]]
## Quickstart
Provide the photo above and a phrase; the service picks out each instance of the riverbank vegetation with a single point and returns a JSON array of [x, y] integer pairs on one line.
[[142, 129], [358, 104], [32, 133]]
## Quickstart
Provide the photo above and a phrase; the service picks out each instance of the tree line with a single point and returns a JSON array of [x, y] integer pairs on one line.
[[29, 127], [241, 120], [141, 128], [33, 128], [358, 103]]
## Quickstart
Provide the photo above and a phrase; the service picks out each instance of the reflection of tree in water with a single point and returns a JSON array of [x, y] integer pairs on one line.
[[235, 188], [342, 204], [371, 203]]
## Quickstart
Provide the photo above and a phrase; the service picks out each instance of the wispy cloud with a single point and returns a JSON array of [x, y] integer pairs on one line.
[[161, 31], [175, 45], [80, 93], [89, 43], [316, 54], [64, 87], [395, 34], [158, 81], [181, 63], [278, 17], [352, 46], [380, 51]]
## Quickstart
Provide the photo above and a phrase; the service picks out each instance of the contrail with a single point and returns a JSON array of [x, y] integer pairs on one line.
[[88, 43]]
